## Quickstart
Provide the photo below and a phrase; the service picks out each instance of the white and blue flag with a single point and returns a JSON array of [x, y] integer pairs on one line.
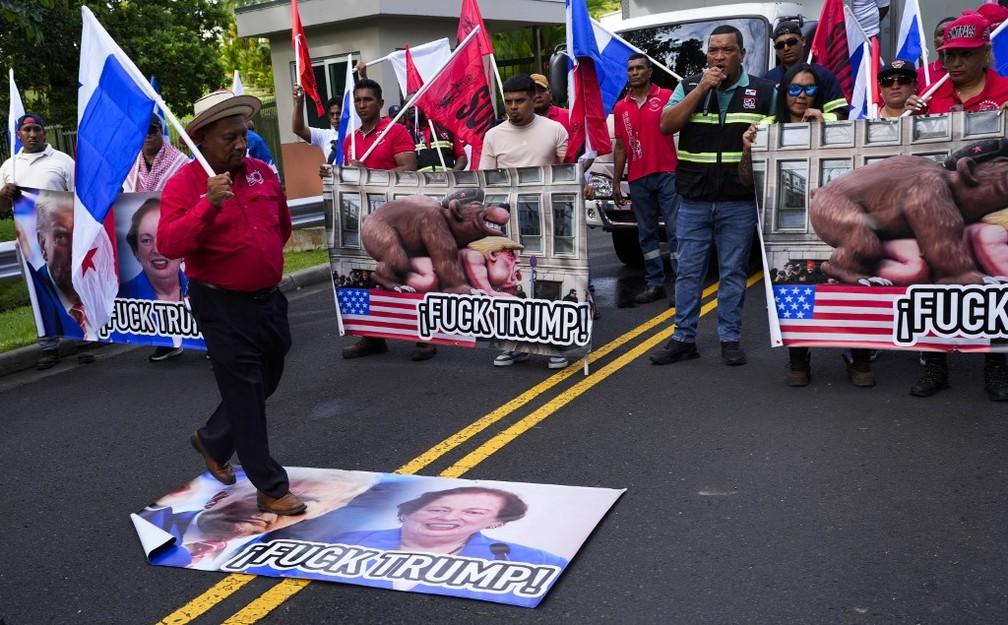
[[16, 111], [607, 50], [860, 64], [999, 46], [910, 42], [349, 120], [114, 106], [159, 112]]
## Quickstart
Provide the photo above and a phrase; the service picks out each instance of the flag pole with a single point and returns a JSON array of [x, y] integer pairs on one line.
[[930, 92], [13, 135], [433, 133], [653, 60], [423, 89]]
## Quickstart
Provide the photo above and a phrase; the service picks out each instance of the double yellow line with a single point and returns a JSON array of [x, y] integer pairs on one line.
[[286, 588]]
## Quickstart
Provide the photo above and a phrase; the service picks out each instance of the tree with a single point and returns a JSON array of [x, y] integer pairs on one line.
[[176, 40], [249, 55]]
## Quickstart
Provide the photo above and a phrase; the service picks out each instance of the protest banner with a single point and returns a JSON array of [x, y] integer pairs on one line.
[[150, 307], [495, 257], [887, 234], [505, 542]]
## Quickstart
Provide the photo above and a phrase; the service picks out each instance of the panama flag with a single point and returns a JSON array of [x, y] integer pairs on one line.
[[860, 68], [999, 46], [349, 121], [16, 110], [237, 87], [114, 105], [588, 73], [910, 42], [159, 112]]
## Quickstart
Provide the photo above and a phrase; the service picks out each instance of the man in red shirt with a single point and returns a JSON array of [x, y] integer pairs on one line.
[[652, 163], [972, 85], [231, 228], [396, 150], [935, 69], [542, 102]]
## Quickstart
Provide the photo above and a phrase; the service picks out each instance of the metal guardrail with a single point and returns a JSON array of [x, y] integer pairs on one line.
[[305, 213]]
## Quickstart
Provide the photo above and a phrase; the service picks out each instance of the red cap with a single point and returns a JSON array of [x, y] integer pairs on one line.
[[971, 30], [993, 13]]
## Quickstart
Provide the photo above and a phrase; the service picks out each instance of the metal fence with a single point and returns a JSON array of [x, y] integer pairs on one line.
[[62, 139]]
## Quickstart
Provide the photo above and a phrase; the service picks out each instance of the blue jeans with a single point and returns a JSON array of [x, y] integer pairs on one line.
[[730, 226], [653, 198]]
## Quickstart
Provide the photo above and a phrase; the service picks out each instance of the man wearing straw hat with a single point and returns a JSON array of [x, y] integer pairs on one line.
[[231, 228]]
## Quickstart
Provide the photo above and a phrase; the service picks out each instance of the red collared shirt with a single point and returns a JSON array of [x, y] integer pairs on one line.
[[994, 94], [647, 150], [238, 246], [397, 141], [561, 115]]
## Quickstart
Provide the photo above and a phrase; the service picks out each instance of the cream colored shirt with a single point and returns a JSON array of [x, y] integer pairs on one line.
[[541, 142], [49, 169]]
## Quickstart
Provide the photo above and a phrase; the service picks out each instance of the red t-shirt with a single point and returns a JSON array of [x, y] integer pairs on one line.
[[397, 141], [647, 150], [994, 94], [238, 246], [936, 69], [561, 115]]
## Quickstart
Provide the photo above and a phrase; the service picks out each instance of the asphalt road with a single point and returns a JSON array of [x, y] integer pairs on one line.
[[747, 501]]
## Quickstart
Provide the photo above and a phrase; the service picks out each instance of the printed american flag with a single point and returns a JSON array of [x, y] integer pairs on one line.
[[388, 315], [828, 315]]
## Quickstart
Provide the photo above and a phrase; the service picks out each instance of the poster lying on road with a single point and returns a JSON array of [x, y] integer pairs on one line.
[[497, 258], [505, 542], [151, 307], [888, 234]]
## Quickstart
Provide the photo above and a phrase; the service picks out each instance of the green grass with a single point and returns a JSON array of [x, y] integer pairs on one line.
[[302, 260], [6, 229], [19, 326]]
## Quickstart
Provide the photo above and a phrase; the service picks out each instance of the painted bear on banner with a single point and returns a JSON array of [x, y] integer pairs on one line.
[[418, 226], [905, 217]]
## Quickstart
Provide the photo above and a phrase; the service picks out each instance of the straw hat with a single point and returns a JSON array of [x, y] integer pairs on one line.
[[220, 104]]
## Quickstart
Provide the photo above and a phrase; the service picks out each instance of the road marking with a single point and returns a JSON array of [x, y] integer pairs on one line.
[[496, 443], [499, 413], [276, 595], [213, 595], [267, 602]]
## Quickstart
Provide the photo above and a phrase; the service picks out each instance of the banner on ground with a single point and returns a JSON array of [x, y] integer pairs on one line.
[[887, 234], [151, 307], [505, 542], [495, 258]]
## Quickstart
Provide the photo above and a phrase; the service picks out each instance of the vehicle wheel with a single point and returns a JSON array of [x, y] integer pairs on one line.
[[628, 247]]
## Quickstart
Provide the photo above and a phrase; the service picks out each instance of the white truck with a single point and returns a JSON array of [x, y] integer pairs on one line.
[[678, 40]]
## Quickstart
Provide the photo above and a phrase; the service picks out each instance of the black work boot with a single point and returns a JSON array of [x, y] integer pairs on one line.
[[935, 376], [799, 366], [996, 377]]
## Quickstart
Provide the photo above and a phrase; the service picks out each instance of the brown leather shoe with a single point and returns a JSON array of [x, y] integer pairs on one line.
[[223, 473], [366, 346], [288, 505]]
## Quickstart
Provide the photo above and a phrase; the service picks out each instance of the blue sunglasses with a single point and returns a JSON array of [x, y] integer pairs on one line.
[[795, 90]]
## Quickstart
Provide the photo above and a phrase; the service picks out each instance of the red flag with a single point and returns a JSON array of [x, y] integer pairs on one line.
[[469, 19], [587, 116], [458, 98], [413, 79], [829, 46], [306, 77]]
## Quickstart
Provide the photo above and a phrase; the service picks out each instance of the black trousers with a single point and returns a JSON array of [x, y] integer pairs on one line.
[[247, 337]]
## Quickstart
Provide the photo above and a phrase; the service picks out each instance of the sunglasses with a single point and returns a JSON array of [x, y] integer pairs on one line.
[[796, 90], [890, 81], [787, 43]]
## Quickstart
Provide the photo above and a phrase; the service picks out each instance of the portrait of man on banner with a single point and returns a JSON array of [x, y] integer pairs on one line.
[[43, 222]]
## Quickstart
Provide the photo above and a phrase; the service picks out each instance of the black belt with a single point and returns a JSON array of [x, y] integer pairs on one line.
[[256, 296]]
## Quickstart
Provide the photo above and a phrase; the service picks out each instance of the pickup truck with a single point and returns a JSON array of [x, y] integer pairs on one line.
[[678, 40]]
